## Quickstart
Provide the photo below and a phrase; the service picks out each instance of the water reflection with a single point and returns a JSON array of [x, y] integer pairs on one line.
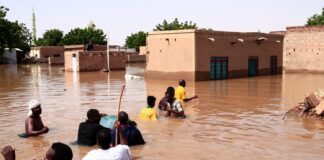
[[233, 119]]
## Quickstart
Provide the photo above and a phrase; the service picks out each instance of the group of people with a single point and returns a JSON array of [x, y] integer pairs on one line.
[[88, 130], [91, 132], [171, 103]]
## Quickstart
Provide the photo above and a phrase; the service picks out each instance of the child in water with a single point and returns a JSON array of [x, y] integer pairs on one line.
[[149, 113]]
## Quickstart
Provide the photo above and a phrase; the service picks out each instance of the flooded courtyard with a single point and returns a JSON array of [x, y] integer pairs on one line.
[[233, 119]]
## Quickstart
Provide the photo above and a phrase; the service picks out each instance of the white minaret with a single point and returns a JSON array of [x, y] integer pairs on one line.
[[34, 27]]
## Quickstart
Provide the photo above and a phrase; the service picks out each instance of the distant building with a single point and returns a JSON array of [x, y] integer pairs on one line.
[[198, 55], [304, 49], [10, 55], [122, 49], [42, 53], [78, 59], [142, 50], [283, 33]]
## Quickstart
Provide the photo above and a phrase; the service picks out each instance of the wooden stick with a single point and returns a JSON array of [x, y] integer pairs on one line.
[[285, 115], [301, 113], [121, 95]]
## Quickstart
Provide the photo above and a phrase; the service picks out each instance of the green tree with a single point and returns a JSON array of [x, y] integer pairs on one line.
[[13, 34], [4, 29], [136, 40], [175, 25], [84, 36], [316, 19], [20, 36], [52, 37], [40, 42]]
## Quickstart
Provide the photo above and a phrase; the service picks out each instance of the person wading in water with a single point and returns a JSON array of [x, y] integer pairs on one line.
[[34, 125]]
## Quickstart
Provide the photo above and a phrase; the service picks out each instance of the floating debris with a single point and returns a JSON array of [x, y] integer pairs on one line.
[[312, 107]]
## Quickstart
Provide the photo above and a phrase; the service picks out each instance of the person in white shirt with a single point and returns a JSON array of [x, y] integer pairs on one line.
[[119, 152], [173, 105]]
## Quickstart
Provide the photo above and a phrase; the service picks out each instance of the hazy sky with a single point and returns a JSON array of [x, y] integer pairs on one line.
[[121, 17]]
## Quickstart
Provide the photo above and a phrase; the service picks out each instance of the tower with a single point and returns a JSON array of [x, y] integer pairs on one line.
[[34, 27]]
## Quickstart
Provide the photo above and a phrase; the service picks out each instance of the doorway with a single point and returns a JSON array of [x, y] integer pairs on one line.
[[253, 66], [273, 65], [74, 63], [218, 68]]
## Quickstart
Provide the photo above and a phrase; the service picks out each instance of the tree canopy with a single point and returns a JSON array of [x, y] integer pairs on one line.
[[175, 25], [139, 39], [84, 36], [52, 37], [90, 34], [13, 34], [316, 19], [136, 40]]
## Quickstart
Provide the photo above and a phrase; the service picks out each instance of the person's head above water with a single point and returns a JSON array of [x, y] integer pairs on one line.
[[169, 94], [104, 138], [151, 101], [93, 115], [59, 151], [123, 117], [182, 82], [34, 108], [169, 90]]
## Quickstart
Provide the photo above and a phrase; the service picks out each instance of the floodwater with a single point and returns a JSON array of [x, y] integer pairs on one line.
[[233, 119]]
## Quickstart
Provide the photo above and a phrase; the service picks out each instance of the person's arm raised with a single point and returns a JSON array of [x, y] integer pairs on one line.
[[121, 136]]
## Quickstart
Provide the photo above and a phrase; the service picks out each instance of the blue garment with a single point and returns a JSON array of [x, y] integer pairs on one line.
[[130, 133]]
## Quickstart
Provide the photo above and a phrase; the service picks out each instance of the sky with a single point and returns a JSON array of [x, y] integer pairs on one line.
[[121, 18]]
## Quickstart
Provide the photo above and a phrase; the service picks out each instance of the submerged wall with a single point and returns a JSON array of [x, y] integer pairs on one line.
[[238, 48], [94, 60], [187, 54], [303, 49], [171, 55]]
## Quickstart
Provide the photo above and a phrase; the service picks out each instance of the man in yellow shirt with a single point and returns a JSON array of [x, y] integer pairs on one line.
[[149, 113], [180, 93]]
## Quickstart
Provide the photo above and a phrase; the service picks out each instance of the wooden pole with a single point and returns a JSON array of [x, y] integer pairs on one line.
[[121, 95], [108, 57]]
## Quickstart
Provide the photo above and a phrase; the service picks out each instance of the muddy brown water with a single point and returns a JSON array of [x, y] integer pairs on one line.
[[233, 119]]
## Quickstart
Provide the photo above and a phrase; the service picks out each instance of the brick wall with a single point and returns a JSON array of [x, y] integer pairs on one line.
[[55, 60], [118, 62], [303, 49], [318, 28], [94, 60], [136, 58], [99, 47], [190, 53], [50, 51]]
